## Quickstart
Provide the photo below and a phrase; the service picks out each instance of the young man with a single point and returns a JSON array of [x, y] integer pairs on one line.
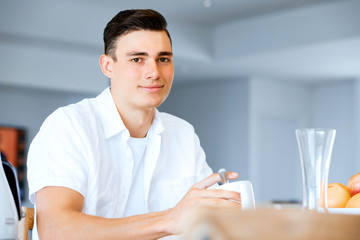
[[113, 167]]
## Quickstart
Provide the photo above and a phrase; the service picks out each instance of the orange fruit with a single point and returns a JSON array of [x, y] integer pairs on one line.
[[354, 201], [337, 195]]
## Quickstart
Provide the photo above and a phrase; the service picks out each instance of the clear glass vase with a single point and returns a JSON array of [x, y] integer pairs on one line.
[[315, 147]]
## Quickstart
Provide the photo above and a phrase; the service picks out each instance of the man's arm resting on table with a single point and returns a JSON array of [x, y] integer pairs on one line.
[[59, 214]]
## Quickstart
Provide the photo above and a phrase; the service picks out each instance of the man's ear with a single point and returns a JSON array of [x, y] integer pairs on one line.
[[105, 62]]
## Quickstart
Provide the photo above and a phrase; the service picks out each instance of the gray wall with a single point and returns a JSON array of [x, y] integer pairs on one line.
[[28, 108]]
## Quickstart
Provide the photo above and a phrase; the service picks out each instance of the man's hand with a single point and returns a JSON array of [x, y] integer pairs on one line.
[[200, 196]]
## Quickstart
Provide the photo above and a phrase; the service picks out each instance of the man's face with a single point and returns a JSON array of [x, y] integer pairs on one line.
[[142, 75]]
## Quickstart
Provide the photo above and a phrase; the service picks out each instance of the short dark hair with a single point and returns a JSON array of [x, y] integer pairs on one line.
[[131, 20]]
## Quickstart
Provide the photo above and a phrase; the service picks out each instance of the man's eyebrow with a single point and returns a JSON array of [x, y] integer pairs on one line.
[[165, 54], [133, 54]]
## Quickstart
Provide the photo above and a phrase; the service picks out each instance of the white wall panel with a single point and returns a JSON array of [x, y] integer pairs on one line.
[[333, 106], [276, 110]]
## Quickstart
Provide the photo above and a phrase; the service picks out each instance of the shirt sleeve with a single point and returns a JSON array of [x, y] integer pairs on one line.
[[58, 155]]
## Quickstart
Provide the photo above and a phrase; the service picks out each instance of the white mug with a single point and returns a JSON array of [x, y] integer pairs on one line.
[[246, 192]]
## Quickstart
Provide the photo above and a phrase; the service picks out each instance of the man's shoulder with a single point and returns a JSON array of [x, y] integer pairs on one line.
[[86, 107], [80, 115], [81, 110]]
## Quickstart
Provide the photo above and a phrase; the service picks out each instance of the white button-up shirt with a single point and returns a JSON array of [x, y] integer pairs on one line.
[[84, 147]]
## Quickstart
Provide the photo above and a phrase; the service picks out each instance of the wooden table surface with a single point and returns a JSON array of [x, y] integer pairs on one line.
[[269, 224]]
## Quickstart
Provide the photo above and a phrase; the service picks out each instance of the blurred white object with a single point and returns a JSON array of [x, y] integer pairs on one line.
[[246, 192], [9, 215], [207, 3]]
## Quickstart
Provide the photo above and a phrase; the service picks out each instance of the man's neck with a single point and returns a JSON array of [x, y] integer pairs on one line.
[[135, 118], [138, 122]]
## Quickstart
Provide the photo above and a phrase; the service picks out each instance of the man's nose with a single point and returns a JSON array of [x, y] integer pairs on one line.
[[152, 70]]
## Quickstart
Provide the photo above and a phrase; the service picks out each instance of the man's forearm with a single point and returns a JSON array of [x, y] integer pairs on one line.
[[76, 225]]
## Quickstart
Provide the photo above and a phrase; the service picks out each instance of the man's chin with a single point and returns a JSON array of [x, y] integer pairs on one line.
[[151, 104], [154, 102]]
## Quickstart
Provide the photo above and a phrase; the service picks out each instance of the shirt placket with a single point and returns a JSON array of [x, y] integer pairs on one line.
[[127, 171], [152, 155]]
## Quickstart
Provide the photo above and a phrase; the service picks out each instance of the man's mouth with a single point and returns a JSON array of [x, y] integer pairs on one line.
[[152, 89]]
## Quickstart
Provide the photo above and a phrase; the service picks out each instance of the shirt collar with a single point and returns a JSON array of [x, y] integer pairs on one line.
[[112, 122], [157, 126]]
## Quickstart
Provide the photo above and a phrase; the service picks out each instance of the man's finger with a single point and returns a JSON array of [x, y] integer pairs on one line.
[[232, 175], [220, 193], [219, 203], [212, 179]]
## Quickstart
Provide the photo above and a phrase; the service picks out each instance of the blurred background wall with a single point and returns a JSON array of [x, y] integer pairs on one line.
[[247, 74]]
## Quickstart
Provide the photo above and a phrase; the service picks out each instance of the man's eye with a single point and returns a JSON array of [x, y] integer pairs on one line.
[[136, 60], [164, 60]]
